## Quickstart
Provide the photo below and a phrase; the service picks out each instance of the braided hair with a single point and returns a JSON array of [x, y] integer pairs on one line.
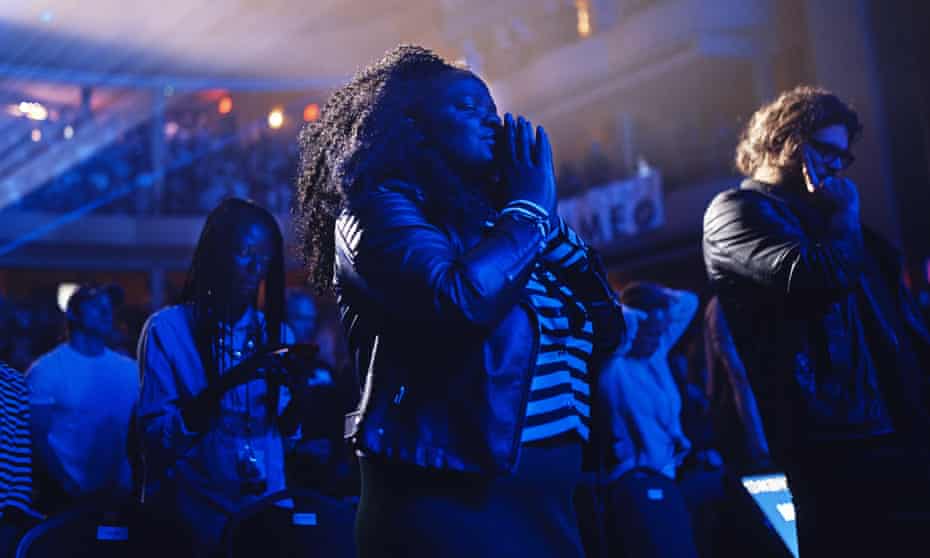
[[365, 136], [208, 289]]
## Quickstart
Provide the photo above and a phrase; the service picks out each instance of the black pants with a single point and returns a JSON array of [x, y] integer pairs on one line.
[[861, 498], [704, 493], [647, 517], [410, 512]]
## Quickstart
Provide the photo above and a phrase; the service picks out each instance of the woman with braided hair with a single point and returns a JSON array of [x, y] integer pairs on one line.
[[213, 442], [472, 311]]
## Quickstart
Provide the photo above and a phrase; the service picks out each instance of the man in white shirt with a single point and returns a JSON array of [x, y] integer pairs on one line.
[[82, 400], [640, 386], [647, 512]]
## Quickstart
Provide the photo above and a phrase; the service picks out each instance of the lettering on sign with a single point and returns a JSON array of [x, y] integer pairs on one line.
[[606, 214]]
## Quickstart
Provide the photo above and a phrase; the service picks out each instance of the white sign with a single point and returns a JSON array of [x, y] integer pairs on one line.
[[605, 214]]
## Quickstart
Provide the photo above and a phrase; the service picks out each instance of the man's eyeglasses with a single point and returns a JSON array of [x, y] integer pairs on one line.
[[831, 154]]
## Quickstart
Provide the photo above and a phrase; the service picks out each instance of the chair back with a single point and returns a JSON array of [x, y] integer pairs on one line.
[[293, 523], [81, 533]]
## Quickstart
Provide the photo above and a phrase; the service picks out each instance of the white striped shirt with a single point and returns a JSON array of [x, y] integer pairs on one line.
[[560, 394], [15, 447]]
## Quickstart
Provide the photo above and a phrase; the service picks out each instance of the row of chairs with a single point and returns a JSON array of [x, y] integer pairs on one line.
[[315, 525]]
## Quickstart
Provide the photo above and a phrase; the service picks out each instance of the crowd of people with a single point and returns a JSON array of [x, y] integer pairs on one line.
[[206, 160], [87, 381], [501, 397], [209, 158], [83, 406]]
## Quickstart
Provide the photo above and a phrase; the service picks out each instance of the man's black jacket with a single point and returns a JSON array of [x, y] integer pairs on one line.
[[790, 289]]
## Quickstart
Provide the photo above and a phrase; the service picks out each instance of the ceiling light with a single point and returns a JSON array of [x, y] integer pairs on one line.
[[33, 111], [311, 112], [225, 105], [276, 118], [584, 18]]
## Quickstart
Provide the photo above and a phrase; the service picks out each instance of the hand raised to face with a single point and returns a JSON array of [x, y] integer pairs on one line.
[[526, 165], [836, 192]]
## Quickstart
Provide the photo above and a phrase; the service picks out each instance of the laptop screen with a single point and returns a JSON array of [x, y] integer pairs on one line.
[[770, 492]]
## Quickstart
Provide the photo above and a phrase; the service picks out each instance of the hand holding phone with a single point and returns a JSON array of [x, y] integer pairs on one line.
[[809, 170], [838, 193]]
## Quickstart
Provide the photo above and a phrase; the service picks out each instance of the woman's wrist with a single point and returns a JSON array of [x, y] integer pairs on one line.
[[529, 211]]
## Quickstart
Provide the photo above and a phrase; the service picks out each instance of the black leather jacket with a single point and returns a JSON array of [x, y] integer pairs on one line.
[[790, 291], [439, 325]]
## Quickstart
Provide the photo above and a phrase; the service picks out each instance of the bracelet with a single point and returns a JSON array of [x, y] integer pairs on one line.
[[529, 205], [540, 224], [523, 209]]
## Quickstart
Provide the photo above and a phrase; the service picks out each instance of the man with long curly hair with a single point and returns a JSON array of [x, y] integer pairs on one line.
[[471, 310], [833, 345]]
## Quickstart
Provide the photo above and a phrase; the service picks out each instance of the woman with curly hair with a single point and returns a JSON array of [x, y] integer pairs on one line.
[[471, 310]]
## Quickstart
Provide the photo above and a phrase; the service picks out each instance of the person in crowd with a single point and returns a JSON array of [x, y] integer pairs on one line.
[[648, 443], [832, 344], [36, 326], [647, 397], [17, 508], [212, 436], [301, 315], [82, 400], [319, 459], [471, 309], [689, 368], [7, 329]]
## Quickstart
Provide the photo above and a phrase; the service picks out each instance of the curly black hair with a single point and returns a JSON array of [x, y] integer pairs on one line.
[[365, 136], [777, 130]]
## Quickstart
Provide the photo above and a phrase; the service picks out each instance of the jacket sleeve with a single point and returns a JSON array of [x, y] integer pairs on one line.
[[747, 236], [413, 270], [719, 344], [164, 435], [681, 309], [565, 249], [584, 272]]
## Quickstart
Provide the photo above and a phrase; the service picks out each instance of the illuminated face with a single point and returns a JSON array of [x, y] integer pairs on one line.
[[253, 250], [460, 120]]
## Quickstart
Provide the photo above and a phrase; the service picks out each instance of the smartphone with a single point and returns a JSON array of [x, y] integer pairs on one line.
[[771, 495], [810, 167]]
